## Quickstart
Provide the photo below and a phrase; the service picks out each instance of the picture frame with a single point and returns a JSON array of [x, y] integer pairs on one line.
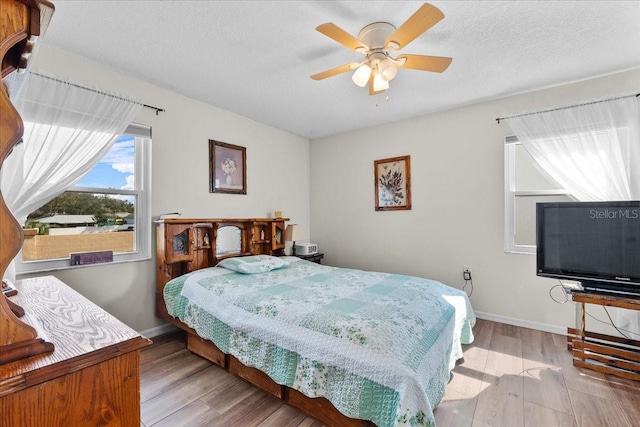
[[227, 168], [392, 183]]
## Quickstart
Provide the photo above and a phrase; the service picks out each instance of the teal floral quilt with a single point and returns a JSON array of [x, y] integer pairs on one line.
[[379, 346]]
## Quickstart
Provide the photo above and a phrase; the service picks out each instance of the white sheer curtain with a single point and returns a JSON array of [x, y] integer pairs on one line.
[[67, 130], [591, 150]]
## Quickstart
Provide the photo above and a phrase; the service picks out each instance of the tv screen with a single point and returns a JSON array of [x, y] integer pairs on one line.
[[596, 243]]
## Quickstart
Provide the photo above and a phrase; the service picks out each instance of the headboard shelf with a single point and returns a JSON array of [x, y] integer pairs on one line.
[[188, 244], [192, 221]]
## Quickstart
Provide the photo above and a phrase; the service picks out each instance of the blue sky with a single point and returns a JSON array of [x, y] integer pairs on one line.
[[116, 168]]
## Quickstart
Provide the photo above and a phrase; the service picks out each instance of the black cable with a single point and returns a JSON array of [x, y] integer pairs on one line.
[[614, 325], [611, 323], [566, 297], [464, 288]]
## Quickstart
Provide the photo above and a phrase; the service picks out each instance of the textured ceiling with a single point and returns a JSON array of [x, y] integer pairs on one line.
[[254, 58]]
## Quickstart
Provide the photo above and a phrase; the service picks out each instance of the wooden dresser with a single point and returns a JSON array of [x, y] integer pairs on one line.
[[92, 378], [63, 360]]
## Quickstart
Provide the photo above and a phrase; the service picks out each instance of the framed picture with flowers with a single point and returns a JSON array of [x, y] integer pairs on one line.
[[393, 183], [227, 168]]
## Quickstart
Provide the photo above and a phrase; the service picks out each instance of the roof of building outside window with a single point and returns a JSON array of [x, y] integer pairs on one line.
[[68, 219]]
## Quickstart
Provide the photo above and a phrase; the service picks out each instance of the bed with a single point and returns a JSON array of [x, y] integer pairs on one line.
[[347, 347]]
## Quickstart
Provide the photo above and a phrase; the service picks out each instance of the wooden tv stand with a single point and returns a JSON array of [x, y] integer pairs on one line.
[[604, 353]]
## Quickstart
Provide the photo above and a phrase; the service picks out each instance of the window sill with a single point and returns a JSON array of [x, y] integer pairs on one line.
[[521, 250], [31, 267]]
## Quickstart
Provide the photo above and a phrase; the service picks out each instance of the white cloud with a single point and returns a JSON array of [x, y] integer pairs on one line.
[[122, 151], [130, 183], [123, 167]]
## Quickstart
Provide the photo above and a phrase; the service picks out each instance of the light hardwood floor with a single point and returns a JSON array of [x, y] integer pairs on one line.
[[510, 376]]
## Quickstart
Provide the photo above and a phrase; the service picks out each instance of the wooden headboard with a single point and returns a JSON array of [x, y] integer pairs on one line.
[[188, 244]]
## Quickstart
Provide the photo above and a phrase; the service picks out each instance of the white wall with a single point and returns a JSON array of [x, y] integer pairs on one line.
[[457, 190], [180, 173], [458, 202]]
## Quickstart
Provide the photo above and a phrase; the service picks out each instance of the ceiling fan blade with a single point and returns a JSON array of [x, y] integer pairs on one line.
[[423, 19], [336, 33], [436, 64], [332, 72]]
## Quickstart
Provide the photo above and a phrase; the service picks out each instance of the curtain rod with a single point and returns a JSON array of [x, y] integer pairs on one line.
[[568, 106], [158, 110]]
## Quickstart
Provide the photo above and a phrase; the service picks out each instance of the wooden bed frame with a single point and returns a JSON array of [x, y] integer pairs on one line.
[[188, 244]]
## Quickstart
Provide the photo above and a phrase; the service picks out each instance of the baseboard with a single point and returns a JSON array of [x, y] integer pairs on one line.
[[522, 323], [159, 330]]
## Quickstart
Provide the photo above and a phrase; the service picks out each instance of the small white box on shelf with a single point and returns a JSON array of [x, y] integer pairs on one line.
[[304, 248]]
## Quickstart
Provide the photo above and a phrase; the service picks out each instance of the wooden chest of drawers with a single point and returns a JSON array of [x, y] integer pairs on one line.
[[92, 378]]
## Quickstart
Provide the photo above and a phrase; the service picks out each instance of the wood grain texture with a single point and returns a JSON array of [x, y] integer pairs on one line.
[[603, 353], [93, 376], [204, 349], [323, 410], [605, 299], [19, 19], [536, 415], [499, 398], [456, 409], [543, 380], [598, 412], [319, 408], [83, 333], [183, 392], [98, 395], [198, 254], [284, 416], [15, 19], [207, 396], [501, 402], [505, 355], [255, 377], [544, 386]]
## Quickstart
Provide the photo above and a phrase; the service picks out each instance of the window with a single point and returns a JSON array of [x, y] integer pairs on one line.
[[525, 185], [108, 209]]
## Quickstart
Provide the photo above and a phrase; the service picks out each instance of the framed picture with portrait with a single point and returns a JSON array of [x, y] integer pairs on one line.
[[227, 168], [393, 183]]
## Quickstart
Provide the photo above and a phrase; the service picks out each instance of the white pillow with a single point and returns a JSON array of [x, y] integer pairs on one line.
[[252, 264]]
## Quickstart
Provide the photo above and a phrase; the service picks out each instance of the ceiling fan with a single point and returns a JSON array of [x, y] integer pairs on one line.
[[376, 41]]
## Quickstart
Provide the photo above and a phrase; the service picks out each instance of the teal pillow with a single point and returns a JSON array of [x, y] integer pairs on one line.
[[252, 264]]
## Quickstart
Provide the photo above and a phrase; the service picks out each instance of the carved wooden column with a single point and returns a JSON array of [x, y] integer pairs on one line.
[[19, 22]]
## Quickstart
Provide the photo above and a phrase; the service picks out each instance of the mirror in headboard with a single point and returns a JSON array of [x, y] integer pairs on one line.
[[184, 245], [277, 231], [181, 243], [228, 241], [202, 242], [178, 243]]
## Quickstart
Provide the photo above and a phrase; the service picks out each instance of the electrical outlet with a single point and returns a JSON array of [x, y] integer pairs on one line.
[[466, 272]]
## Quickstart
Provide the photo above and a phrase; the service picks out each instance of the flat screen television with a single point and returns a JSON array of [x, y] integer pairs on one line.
[[595, 243]]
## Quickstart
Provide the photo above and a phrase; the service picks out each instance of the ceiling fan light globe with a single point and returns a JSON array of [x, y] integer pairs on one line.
[[379, 84], [361, 75], [387, 70]]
